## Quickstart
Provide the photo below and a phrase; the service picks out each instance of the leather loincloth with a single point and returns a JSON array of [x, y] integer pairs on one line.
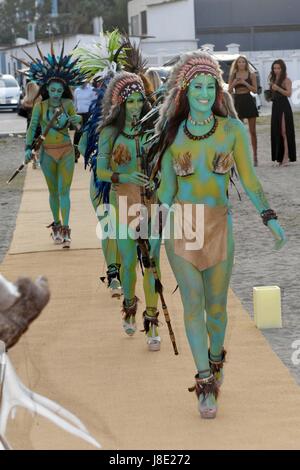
[[211, 242], [58, 151]]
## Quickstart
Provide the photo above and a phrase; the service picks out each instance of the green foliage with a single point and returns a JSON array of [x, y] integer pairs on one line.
[[74, 17]]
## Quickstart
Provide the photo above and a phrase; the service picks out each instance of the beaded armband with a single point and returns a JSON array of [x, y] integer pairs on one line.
[[115, 178], [267, 215]]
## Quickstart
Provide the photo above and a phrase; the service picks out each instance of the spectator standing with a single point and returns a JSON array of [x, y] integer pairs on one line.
[[83, 97], [241, 83], [283, 145]]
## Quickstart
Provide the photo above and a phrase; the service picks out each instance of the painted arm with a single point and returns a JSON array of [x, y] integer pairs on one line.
[[250, 181], [35, 120], [75, 119], [105, 144], [168, 181], [166, 193], [104, 172]]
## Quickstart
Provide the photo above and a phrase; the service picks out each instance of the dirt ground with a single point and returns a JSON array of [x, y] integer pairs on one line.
[[256, 261]]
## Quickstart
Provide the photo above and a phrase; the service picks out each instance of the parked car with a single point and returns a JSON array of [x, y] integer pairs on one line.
[[225, 61], [9, 92]]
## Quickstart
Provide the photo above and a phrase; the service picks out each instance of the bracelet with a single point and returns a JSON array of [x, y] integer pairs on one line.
[[115, 178], [268, 214]]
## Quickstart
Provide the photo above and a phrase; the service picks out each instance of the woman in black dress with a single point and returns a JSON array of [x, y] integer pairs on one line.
[[241, 83], [283, 143]]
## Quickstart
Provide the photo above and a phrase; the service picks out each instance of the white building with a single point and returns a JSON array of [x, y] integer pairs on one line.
[[10, 64], [166, 27], [170, 27]]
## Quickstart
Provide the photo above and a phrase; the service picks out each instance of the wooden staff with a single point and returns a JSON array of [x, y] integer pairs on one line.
[[159, 289], [150, 262], [37, 143]]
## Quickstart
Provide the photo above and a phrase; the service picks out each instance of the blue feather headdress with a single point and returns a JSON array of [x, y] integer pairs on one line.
[[46, 68]]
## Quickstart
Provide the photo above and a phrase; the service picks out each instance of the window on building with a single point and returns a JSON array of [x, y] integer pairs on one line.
[[144, 23], [135, 25]]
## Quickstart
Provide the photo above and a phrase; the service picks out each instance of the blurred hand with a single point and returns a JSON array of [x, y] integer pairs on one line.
[[136, 178], [75, 120], [274, 87], [278, 233], [28, 155]]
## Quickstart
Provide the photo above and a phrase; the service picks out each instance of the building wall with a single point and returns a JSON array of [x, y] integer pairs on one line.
[[170, 27], [172, 21], [255, 24], [12, 65]]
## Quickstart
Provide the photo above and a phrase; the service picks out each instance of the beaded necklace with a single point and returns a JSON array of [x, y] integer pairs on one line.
[[130, 136], [201, 123], [200, 137]]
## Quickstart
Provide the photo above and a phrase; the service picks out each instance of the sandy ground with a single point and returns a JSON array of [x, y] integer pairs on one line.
[[11, 156], [256, 261]]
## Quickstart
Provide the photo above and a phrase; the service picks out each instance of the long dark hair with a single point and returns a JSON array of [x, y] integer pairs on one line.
[[43, 92], [282, 76]]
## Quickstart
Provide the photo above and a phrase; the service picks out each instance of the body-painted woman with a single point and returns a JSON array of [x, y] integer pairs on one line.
[[119, 161], [100, 63], [202, 142], [55, 75]]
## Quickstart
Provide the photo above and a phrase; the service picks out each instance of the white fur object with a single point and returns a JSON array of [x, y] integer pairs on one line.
[[14, 394], [8, 294]]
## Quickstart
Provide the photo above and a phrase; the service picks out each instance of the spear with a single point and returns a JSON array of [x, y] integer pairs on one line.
[[38, 143], [150, 263]]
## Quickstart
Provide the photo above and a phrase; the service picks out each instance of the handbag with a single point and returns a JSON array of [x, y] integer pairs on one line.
[[268, 95], [22, 112]]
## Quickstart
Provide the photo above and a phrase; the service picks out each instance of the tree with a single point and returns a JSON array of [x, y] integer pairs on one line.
[[74, 17], [77, 17], [15, 15]]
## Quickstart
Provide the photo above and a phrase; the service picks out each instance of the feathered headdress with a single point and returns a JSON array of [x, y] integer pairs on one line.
[[50, 67], [103, 58], [187, 68], [119, 89]]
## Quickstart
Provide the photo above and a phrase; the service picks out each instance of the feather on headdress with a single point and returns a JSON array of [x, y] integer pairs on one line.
[[102, 58], [118, 90], [187, 68], [46, 68]]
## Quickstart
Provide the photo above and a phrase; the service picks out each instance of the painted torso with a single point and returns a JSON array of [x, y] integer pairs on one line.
[[204, 186], [122, 144], [41, 116]]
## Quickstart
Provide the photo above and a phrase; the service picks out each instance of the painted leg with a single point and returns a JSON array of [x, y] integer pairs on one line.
[[109, 246], [127, 249], [190, 282], [65, 177], [216, 284], [50, 170], [252, 130], [151, 313]]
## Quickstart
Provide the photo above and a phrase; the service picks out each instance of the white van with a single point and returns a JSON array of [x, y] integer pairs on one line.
[[9, 92]]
